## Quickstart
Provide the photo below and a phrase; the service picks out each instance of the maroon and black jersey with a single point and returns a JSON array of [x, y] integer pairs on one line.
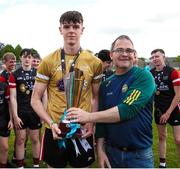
[[23, 81], [4, 97], [165, 80], [5, 75]]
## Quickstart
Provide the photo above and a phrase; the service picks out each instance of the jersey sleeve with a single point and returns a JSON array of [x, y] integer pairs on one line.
[[100, 131], [43, 74], [97, 71], [7, 95], [175, 76], [138, 95], [12, 81], [2, 79]]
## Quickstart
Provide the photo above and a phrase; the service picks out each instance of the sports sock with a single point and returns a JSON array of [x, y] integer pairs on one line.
[[36, 162], [162, 162], [3, 165]]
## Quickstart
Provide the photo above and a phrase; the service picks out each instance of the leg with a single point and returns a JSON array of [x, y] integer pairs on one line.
[[176, 132], [26, 141], [34, 136], [162, 134], [3, 150], [20, 140], [14, 146]]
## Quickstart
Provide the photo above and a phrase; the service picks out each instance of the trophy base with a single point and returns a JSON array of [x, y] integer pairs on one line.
[[65, 128]]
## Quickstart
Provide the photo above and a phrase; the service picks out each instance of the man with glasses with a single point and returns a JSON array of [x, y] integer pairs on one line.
[[167, 101], [124, 119]]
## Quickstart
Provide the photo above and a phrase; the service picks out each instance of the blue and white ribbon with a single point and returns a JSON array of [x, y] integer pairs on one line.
[[70, 134]]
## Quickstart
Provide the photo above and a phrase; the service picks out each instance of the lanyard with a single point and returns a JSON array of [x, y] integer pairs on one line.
[[63, 64]]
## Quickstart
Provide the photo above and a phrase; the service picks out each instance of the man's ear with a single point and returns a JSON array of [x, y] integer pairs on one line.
[[110, 54], [82, 30], [60, 30]]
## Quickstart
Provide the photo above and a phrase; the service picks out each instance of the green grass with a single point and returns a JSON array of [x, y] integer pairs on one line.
[[172, 157]]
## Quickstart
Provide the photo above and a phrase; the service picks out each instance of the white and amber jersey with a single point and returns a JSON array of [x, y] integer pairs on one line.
[[50, 72]]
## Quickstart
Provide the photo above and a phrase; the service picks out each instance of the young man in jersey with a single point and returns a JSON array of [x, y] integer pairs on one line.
[[21, 84], [104, 55], [124, 134], [51, 74], [9, 60], [36, 60], [167, 99]]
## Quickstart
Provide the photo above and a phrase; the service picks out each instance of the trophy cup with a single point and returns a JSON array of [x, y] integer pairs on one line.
[[73, 89]]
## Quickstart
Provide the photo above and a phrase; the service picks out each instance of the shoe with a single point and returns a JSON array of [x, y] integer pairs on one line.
[[9, 165], [14, 160], [162, 166], [36, 166]]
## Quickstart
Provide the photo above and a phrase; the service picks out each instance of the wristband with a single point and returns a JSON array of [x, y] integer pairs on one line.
[[51, 123]]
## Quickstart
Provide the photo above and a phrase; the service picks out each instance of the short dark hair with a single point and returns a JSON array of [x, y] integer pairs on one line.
[[36, 56], [104, 55], [26, 52], [71, 16], [158, 50], [119, 38]]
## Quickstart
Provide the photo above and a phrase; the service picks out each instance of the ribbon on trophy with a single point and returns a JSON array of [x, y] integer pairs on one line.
[[73, 83]]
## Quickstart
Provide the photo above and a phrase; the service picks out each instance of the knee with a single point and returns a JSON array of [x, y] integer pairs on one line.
[[177, 141], [20, 141], [162, 136], [35, 141], [4, 148]]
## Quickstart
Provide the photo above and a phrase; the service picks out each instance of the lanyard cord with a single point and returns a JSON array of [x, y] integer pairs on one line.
[[63, 64]]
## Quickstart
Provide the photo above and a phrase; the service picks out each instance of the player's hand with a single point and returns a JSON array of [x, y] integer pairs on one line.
[[87, 130], [18, 123], [164, 118], [55, 131]]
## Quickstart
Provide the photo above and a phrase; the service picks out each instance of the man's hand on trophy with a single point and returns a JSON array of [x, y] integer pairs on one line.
[[55, 131], [78, 115]]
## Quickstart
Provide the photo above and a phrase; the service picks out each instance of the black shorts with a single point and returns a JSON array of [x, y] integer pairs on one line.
[[174, 119], [30, 120], [4, 131], [59, 157]]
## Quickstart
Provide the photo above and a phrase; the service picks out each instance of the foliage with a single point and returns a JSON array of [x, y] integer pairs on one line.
[[16, 51], [7, 48], [141, 58], [34, 51], [178, 58]]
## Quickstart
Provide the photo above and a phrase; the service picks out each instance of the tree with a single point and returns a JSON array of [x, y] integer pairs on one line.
[[18, 49], [178, 58], [1, 45], [7, 48]]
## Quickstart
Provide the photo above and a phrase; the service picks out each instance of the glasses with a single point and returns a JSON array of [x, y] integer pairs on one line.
[[120, 51]]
